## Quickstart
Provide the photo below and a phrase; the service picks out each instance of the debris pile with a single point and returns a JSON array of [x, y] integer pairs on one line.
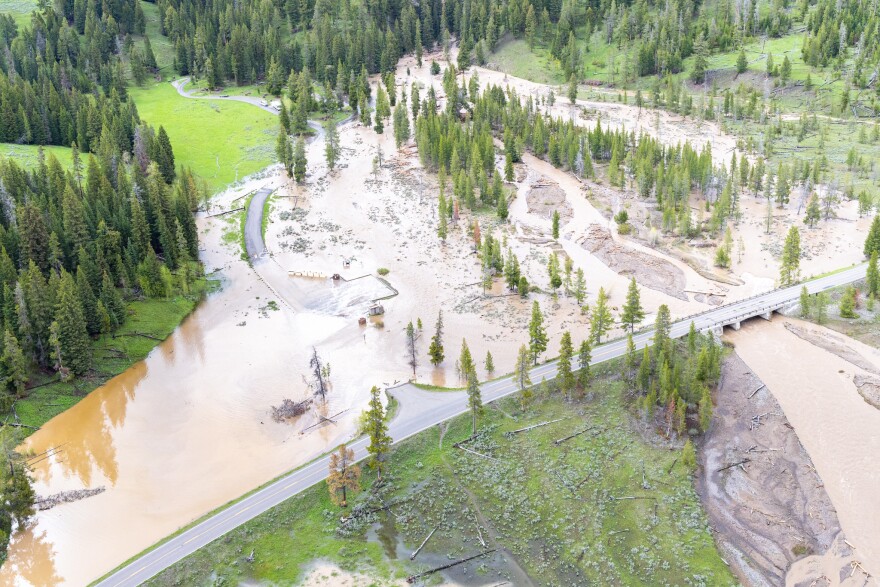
[[290, 409], [46, 503]]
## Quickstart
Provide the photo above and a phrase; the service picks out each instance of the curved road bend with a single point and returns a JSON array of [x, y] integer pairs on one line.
[[431, 409]]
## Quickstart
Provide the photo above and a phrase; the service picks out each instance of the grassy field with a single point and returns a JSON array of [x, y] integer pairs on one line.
[[222, 141], [26, 155], [19, 9], [513, 56], [525, 501]]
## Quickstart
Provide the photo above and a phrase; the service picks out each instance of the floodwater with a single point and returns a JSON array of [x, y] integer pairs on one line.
[[838, 429]]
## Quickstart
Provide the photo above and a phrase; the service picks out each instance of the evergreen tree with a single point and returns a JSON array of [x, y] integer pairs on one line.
[[813, 212], [489, 363], [331, 145], [789, 271], [299, 161], [601, 319], [165, 156], [565, 377], [435, 351], [873, 276], [475, 401], [848, 303], [632, 313], [579, 291], [344, 476], [872, 242], [284, 152], [72, 335], [555, 224], [585, 355], [466, 363], [742, 64], [805, 302], [521, 369], [377, 431], [15, 366], [537, 333]]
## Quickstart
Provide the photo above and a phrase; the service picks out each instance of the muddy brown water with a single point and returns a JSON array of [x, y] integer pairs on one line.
[[181, 433], [838, 429]]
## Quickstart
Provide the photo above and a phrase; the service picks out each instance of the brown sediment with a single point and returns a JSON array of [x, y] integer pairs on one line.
[[546, 197], [839, 430], [869, 389], [649, 271], [834, 344], [773, 509]]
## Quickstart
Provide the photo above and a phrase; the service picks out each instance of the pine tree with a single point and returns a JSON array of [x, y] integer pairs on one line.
[[848, 304], [475, 401], [377, 431], [521, 369], [585, 355], [579, 291], [489, 363], [600, 320], [435, 351], [537, 333], [331, 146], [284, 152], [742, 64], [442, 213], [689, 455], [873, 276], [15, 366], [632, 313], [565, 377], [662, 327], [805, 302], [165, 156], [299, 161], [872, 242], [813, 213], [72, 335], [789, 271], [705, 410], [465, 361], [411, 347], [556, 224]]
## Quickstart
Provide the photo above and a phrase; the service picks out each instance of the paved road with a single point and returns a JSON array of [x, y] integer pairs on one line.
[[253, 224], [419, 413]]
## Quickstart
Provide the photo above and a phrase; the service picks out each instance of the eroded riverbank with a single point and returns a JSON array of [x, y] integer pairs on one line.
[[838, 429]]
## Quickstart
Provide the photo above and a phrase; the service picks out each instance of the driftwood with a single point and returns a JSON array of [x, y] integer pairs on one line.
[[322, 420], [623, 497], [289, 409], [672, 466], [561, 440], [415, 553], [19, 425], [374, 510], [730, 466], [756, 391], [51, 501], [526, 429], [413, 578]]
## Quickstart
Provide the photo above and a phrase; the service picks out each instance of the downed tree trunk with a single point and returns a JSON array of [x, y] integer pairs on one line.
[[742, 462], [413, 578], [527, 428], [561, 440], [51, 501], [413, 556], [290, 409]]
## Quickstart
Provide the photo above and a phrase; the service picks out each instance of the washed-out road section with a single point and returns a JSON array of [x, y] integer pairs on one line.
[[421, 410]]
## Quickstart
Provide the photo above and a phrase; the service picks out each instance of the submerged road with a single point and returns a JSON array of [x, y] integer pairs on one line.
[[420, 413]]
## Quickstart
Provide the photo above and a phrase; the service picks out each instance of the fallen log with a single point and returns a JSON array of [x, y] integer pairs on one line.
[[150, 336], [413, 578], [527, 428], [473, 452], [730, 466], [623, 497], [756, 391], [373, 511], [415, 553], [561, 440], [224, 213]]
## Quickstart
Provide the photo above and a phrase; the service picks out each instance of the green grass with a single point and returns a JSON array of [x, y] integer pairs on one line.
[[513, 56], [154, 317], [19, 9], [526, 499], [267, 211], [162, 47], [26, 155], [222, 141]]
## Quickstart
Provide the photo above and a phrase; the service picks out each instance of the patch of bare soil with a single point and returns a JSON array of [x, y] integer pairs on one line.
[[834, 345], [765, 501], [546, 197], [869, 389], [649, 271]]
